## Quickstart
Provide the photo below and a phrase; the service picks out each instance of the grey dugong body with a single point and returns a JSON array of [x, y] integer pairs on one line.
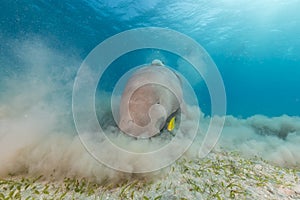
[[151, 95]]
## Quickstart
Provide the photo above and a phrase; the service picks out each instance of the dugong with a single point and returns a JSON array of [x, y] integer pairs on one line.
[[151, 95]]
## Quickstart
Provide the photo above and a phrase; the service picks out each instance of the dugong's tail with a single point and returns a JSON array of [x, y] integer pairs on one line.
[[157, 62]]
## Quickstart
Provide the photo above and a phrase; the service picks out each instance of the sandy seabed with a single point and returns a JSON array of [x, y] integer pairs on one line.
[[221, 175]]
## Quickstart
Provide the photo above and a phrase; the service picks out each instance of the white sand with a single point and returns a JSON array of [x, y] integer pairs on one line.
[[219, 176]]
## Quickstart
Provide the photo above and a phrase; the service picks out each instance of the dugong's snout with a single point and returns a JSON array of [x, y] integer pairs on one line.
[[157, 120]]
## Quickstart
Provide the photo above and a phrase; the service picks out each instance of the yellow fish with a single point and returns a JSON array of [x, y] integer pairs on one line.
[[171, 124]]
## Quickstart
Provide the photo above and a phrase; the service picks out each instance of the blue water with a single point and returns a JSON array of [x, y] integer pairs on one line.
[[255, 44]]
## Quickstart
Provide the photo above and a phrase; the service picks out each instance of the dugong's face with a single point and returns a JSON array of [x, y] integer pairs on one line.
[[151, 95]]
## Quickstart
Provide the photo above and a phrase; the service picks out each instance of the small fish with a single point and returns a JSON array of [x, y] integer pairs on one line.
[[171, 124]]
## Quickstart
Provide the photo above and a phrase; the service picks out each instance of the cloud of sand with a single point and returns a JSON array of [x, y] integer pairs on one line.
[[276, 139], [38, 134]]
